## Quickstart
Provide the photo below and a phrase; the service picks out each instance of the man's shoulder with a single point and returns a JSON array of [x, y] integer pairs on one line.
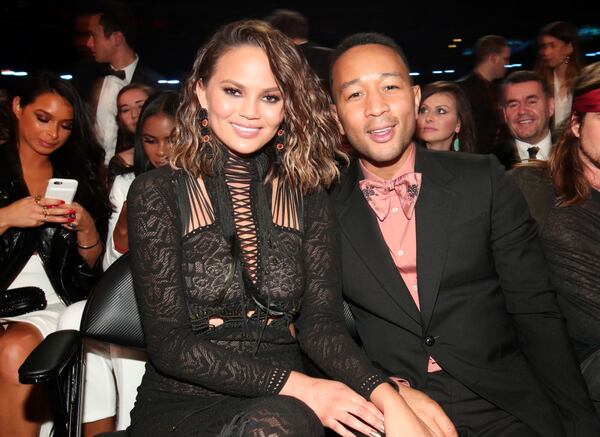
[[146, 75]]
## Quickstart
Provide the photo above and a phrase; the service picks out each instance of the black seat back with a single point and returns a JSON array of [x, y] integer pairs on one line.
[[111, 314]]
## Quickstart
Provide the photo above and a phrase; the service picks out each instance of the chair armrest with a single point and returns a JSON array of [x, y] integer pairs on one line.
[[49, 358]]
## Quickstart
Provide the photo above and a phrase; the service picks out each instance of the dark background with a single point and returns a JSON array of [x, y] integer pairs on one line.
[[39, 34]]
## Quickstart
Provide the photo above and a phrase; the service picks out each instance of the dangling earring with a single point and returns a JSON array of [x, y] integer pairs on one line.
[[567, 59], [279, 143], [203, 119], [456, 144]]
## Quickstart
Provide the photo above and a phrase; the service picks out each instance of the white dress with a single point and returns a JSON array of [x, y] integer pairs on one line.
[[113, 372], [46, 320]]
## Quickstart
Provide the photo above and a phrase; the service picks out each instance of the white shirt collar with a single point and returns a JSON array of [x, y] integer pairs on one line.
[[129, 69], [545, 145]]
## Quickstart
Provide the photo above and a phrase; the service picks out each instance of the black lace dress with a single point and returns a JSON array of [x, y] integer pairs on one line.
[[233, 276]]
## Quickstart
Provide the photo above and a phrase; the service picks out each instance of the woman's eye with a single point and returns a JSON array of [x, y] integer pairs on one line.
[[67, 126], [123, 110], [149, 140], [272, 99], [42, 119], [422, 110], [442, 111], [233, 91]]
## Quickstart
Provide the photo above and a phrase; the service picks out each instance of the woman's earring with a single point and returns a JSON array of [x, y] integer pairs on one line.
[[203, 119], [280, 142], [456, 144], [567, 59]]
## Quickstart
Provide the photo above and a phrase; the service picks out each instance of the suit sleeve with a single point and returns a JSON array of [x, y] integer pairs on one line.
[[532, 304]]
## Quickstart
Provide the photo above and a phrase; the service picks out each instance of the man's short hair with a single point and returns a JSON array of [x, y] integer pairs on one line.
[[291, 23], [488, 45], [361, 39], [523, 76], [116, 16]]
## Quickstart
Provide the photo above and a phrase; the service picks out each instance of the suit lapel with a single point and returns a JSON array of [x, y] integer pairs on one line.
[[434, 213], [359, 224]]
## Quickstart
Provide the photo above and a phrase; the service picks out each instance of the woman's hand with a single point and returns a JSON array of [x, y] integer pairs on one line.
[[336, 405], [29, 212], [88, 240]]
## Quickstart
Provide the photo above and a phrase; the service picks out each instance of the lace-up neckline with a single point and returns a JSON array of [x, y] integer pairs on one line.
[[239, 174]]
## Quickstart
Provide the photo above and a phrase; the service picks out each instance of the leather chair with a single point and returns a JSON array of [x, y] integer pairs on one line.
[[111, 315]]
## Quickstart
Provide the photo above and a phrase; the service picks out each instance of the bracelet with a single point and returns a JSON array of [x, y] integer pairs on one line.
[[90, 246]]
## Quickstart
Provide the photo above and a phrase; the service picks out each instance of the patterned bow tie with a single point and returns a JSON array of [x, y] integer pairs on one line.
[[378, 194], [107, 71]]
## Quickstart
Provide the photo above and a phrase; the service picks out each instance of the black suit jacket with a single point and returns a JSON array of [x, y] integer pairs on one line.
[[488, 316]]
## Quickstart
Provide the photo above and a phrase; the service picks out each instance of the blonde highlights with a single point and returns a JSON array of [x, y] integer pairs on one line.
[[308, 159]]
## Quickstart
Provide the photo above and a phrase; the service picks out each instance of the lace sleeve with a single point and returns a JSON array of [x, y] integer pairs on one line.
[[320, 325], [173, 348]]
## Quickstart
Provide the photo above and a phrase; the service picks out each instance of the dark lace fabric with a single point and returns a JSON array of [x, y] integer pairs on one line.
[[571, 241], [217, 294]]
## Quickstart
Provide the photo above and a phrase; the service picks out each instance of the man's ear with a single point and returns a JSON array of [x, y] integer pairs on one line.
[[337, 119], [575, 125], [417, 93], [201, 94], [118, 38], [551, 106]]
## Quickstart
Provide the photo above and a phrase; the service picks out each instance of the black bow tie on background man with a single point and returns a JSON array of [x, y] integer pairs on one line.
[[108, 70]]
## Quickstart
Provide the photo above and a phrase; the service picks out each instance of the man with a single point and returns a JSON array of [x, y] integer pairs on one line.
[[295, 25], [442, 269], [492, 53], [111, 37], [528, 107]]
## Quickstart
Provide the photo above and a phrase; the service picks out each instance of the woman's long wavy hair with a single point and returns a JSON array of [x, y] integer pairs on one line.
[[566, 168], [81, 157], [312, 139], [466, 135]]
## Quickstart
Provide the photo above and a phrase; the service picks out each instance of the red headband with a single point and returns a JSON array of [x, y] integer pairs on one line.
[[588, 102]]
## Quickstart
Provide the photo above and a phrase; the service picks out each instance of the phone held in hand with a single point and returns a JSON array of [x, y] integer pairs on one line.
[[63, 189]]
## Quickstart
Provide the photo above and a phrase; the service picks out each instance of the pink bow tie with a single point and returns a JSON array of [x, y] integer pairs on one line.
[[378, 194]]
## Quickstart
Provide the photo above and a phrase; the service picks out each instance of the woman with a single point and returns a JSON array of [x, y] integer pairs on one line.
[[234, 258], [130, 100], [44, 242], [559, 63], [113, 372], [571, 236], [445, 121]]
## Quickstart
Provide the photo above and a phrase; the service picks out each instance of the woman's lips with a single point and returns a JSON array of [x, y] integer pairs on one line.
[[247, 132]]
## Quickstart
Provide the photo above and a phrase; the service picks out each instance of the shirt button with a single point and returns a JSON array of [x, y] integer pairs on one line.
[[400, 252], [415, 287], [429, 341], [394, 210]]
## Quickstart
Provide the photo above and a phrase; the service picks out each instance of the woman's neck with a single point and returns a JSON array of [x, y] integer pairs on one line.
[[31, 159], [443, 145]]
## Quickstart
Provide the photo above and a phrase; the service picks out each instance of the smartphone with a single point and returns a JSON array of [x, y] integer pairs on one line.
[[63, 189]]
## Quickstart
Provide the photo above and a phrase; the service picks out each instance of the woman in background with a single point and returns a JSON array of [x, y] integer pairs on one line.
[[559, 63], [445, 121], [44, 242], [114, 372]]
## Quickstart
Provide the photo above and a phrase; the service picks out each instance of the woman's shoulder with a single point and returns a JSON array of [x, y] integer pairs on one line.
[[158, 180]]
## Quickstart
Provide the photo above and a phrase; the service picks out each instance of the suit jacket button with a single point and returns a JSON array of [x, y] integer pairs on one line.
[[429, 340]]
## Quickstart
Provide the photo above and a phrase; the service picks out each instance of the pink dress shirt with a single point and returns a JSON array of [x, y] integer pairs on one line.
[[400, 235]]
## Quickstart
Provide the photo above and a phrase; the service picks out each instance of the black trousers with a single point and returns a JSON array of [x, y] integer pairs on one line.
[[472, 415]]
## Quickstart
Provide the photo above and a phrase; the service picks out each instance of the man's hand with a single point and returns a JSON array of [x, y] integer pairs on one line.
[[427, 410]]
